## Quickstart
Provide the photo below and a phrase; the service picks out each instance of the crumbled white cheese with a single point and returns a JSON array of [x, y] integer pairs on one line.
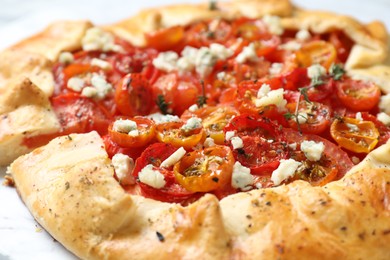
[[315, 71], [291, 46], [355, 160], [193, 108], [303, 35], [220, 51], [190, 53], [205, 61], [237, 142], [302, 117], [123, 166], [242, 177], [124, 126], [166, 61], [247, 54], [102, 86], [359, 116], [101, 64], [159, 118], [274, 24], [75, 84], [293, 146], [221, 75], [89, 92], [285, 170], [96, 39], [192, 123], [152, 177], [263, 90], [384, 118], [276, 69], [274, 97], [312, 150], [352, 127], [134, 132], [173, 158], [229, 135], [209, 142], [384, 103], [66, 57], [184, 64]]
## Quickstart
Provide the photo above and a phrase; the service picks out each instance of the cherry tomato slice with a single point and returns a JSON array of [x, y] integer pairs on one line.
[[165, 39], [384, 130], [358, 95], [113, 148], [172, 191], [214, 119], [204, 33], [309, 117], [146, 133], [133, 95], [172, 133], [342, 43], [355, 135], [79, 114], [263, 143], [205, 170], [316, 52]]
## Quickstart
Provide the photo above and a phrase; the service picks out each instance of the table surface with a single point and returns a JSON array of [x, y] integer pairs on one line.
[[20, 236]]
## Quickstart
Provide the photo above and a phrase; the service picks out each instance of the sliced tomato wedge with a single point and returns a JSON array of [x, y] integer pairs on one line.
[[133, 95], [263, 143], [172, 133], [172, 191], [355, 135], [358, 95], [205, 170], [309, 117], [146, 133]]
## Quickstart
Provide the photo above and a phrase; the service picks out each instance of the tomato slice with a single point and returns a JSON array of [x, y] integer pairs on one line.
[[342, 43], [214, 119], [113, 148], [333, 165], [206, 32], [309, 117], [172, 191], [316, 52], [79, 114], [263, 143], [205, 170], [133, 95], [146, 133], [355, 135], [384, 130], [172, 133], [358, 95], [165, 39]]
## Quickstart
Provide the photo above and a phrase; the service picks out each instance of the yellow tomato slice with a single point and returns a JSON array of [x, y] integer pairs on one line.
[[316, 52], [355, 135]]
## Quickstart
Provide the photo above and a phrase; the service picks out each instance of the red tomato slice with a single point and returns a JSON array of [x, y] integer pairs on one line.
[[358, 95], [165, 39], [145, 127], [79, 114], [172, 191], [204, 33], [384, 130], [342, 43], [133, 95], [263, 143], [113, 148]]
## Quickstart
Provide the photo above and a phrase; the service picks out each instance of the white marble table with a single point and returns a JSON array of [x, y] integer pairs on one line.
[[20, 236]]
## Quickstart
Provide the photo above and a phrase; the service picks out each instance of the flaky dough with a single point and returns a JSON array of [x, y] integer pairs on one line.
[[69, 187]]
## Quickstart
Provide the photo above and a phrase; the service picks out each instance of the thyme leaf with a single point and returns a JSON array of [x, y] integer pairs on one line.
[[336, 71], [162, 104], [201, 101]]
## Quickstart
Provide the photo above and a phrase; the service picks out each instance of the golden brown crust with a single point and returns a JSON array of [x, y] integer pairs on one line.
[[72, 193]]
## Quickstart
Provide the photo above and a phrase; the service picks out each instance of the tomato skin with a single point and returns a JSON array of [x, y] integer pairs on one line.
[[316, 52], [342, 44], [79, 114], [172, 191], [355, 135], [358, 95], [206, 32], [165, 39], [113, 148], [384, 130], [210, 169], [261, 138], [317, 118], [146, 128], [172, 133], [133, 95]]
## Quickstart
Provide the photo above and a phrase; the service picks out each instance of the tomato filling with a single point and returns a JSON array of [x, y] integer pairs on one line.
[[220, 107]]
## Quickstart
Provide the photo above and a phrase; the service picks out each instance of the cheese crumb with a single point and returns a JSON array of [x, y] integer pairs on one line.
[[274, 97], [123, 166], [384, 118], [359, 116], [285, 170], [384, 103], [173, 158], [302, 117], [315, 71], [75, 84], [101, 64], [242, 177], [159, 118], [152, 177], [229, 135], [166, 61], [247, 54], [276, 68], [124, 126], [192, 123], [312, 150], [274, 24], [193, 108], [291, 46], [89, 92], [96, 39], [303, 35], [209, 142], [102, 86], [66, 57], [237, 142]]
